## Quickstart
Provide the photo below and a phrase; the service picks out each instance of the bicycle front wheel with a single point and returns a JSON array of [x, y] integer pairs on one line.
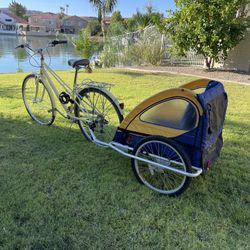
[[38, 100], [97, 111]]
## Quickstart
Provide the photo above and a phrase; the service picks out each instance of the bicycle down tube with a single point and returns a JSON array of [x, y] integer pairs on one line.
[[49, 82]]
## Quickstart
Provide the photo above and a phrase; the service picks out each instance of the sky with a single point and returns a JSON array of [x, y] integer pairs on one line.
[[83, 8]]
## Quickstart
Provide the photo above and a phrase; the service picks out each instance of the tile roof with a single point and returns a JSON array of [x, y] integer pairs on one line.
[[17, 18], [73, 18], [45, 15]]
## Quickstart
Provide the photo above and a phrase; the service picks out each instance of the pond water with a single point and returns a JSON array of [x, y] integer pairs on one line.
[[17, 60]]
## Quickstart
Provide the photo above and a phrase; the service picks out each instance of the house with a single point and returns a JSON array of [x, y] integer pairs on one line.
[[107, 20], [239, 57], [11, 24], [44, 22], [73, 24]]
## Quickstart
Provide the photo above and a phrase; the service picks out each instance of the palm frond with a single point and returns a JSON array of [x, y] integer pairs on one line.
[[110, 5], [96, 3]]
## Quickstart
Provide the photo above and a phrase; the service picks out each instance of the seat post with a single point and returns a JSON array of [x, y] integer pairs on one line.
[[76, 72]]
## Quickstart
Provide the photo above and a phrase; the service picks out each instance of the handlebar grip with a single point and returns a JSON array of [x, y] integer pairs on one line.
[[55, 42], [63, 41], [19, 46]]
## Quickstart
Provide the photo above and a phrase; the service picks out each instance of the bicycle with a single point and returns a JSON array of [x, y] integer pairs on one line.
[[89, 104], [171, 137]]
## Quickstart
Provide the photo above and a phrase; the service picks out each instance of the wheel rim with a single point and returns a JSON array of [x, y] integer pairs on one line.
[[37, 101], [158, 179], [99, 113]]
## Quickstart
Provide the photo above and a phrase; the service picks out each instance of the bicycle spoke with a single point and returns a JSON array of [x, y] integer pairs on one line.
[[37, 100], [104, 117], [158, 178]]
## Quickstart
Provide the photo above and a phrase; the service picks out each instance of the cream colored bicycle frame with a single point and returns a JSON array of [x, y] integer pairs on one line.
[[45, 70]]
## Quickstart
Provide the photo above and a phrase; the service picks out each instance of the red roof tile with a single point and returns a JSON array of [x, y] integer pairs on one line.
[[73, 18], [17, 18], [47, 15]]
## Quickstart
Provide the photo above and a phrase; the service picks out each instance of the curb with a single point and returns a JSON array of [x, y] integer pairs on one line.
[[184, 74]]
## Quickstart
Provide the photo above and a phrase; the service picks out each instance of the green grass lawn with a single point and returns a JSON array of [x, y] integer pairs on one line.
[[59, 191]]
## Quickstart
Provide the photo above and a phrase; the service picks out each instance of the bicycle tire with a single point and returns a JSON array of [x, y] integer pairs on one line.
[[40, 110], [109, 125], [164, 151]]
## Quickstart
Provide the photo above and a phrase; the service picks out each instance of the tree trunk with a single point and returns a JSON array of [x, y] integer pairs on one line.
[[100, 15], [103, 25], [209, 61]]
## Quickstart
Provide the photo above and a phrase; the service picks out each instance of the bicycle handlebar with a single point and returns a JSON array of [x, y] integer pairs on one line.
[[52, 44], [22, 46], [55, 42], [19, 46], [40, 51]]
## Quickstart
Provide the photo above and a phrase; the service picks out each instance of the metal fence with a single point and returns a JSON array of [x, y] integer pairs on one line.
[[147, 46]]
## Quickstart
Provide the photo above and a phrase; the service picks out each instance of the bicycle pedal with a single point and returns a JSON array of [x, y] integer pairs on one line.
[[51, 110]]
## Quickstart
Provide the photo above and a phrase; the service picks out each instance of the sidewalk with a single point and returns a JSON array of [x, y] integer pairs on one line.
[[217, 74]]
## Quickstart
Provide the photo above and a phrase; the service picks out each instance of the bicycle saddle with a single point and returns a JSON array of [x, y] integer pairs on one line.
[[76, 62]]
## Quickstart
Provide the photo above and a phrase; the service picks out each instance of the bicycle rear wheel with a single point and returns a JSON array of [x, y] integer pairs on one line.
[[98, 112], [38, 100]]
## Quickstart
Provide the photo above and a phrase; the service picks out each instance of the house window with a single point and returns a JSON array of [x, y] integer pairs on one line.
[[173, 113]]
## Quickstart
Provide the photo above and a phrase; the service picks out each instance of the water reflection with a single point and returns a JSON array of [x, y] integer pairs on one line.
[[20, 54], [12, 60]]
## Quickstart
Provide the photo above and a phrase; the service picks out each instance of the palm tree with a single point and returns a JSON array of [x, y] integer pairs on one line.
[[67, 9], [62, 13], [103, 7]]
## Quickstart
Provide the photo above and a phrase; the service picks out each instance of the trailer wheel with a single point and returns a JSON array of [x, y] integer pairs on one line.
[[168, 153]]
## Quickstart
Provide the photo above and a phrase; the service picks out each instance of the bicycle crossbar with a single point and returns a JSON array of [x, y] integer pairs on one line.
[[115, 146]]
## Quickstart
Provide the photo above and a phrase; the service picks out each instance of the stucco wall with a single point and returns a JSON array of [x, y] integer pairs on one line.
[[3, 18], [48, 24], [239, 57]]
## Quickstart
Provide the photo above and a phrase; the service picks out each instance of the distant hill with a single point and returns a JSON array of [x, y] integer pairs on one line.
[[89, 18], [32, 12], [4, 9], [28, 13]]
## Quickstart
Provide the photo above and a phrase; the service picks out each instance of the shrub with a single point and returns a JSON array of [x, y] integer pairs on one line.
[[138, 49], [88, 46]]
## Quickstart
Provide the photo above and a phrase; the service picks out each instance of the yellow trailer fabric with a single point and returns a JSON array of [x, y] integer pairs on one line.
[[133, 123]]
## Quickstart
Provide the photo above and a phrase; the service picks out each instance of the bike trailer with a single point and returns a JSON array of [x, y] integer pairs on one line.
[[192, 115]]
